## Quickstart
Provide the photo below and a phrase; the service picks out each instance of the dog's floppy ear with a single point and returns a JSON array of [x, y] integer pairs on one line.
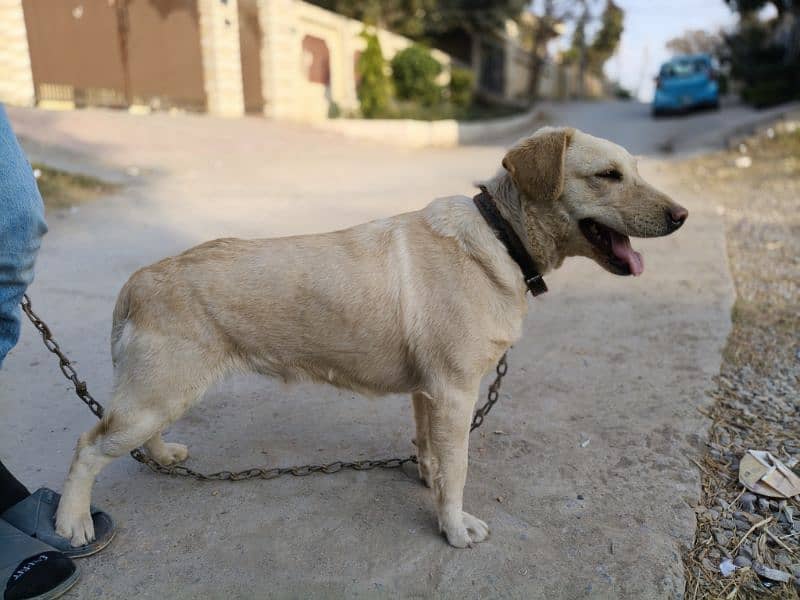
[[537, 164]]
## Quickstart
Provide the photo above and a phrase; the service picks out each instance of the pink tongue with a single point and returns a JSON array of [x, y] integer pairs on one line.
[[621, 247]]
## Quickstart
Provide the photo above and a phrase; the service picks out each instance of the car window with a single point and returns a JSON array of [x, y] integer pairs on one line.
[[684, 68]]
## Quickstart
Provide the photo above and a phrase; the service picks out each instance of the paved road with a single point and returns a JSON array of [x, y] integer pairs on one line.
[[621, 363], [630, 124]]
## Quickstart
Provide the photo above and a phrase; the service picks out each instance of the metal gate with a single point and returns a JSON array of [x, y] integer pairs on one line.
[[116, 52], [250, 53]]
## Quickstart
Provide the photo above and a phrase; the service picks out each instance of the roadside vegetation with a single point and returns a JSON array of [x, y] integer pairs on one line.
[[411, 87], [756, 400], [60, 189], [761, 54]]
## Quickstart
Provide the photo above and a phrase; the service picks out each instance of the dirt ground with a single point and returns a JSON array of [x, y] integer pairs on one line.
[[756, 188]]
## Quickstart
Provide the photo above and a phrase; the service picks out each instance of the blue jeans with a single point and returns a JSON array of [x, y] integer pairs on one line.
[[22, 226]]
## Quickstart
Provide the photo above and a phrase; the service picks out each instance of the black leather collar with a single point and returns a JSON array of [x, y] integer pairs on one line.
[[506, 234]]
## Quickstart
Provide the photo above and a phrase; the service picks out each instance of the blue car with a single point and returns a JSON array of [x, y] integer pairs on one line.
[[687, 82]]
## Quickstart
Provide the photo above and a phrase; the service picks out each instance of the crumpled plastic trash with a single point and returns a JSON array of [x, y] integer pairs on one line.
[[763, 474], [726, 567]]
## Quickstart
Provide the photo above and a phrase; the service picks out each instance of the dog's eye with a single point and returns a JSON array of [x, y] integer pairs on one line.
[[610, 174]]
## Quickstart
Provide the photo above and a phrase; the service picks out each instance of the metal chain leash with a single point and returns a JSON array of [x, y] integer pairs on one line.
[[138, 454]]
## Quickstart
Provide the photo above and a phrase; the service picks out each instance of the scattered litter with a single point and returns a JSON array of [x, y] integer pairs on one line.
[[585, 442], [726, 567], [37, 173], [499, 432], [773, 574], [762, 473], [499, 499], [743, 162], [770, 133]]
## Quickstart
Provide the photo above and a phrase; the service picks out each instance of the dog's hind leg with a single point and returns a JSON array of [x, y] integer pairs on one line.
[[155, 382], [422, 419], [117, 434]]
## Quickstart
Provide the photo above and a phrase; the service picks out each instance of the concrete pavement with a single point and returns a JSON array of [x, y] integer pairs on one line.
[[619, 362]]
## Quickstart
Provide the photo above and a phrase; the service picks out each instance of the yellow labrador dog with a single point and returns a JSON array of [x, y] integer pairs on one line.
[[423, 303]]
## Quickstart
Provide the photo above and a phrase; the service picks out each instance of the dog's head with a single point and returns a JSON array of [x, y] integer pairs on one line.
[[592, 188]]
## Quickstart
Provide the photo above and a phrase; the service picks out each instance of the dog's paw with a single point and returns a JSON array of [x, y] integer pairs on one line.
[[171, 454], [424, 468], [78, 529], [466, 531]]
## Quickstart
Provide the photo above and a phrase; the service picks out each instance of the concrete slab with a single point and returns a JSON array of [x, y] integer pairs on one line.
[[621, 363]]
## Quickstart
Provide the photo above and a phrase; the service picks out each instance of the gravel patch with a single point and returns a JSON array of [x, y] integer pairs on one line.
[[748, 546]]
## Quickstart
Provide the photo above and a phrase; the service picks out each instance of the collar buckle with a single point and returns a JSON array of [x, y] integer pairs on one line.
[[536, 285]]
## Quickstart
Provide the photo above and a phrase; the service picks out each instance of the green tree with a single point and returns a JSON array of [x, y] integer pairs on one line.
[[462, 82], [606, 41], [764, 55], [696, 41], [593, 55], [419, 19], [373, 86], [414, 73]]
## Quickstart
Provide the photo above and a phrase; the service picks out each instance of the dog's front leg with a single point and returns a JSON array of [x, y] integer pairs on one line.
[[450, 417]]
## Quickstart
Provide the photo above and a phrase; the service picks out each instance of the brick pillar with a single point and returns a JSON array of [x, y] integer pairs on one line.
[[281, 57], [16, 79], [509, 55], [349, 100], [222, 63]]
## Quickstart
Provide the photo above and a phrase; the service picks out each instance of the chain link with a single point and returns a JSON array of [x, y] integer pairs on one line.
[[138, 454], [63, 362]]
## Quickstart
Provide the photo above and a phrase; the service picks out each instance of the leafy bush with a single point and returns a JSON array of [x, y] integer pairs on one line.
[[767, 78], [461, 83], [373, 86], [414, 73]]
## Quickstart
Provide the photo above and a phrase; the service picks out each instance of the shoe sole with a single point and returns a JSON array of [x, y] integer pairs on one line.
[[93, 548], [62, 588]]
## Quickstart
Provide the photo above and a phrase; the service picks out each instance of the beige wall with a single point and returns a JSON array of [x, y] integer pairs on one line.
[[288, 94], [16, 80], [287, 91], [518, 72]]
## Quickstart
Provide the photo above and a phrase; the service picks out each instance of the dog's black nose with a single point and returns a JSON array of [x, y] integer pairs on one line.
[[676, 216]]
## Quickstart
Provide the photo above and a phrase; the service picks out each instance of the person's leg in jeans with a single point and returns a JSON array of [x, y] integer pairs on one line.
[[28, 568], [22, 226]]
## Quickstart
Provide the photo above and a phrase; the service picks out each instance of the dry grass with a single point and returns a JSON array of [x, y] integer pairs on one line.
[[757, 398], [60, 189]]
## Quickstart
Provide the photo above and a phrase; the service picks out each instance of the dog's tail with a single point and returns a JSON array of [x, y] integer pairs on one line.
[[120, 319]]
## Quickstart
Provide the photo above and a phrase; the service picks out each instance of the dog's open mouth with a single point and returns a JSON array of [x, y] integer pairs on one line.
[[614, 247]]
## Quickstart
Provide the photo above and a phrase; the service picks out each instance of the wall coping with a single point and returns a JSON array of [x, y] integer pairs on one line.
[[445, 133]]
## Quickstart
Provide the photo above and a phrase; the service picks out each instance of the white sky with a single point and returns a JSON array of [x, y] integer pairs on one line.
[[649, 24]]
